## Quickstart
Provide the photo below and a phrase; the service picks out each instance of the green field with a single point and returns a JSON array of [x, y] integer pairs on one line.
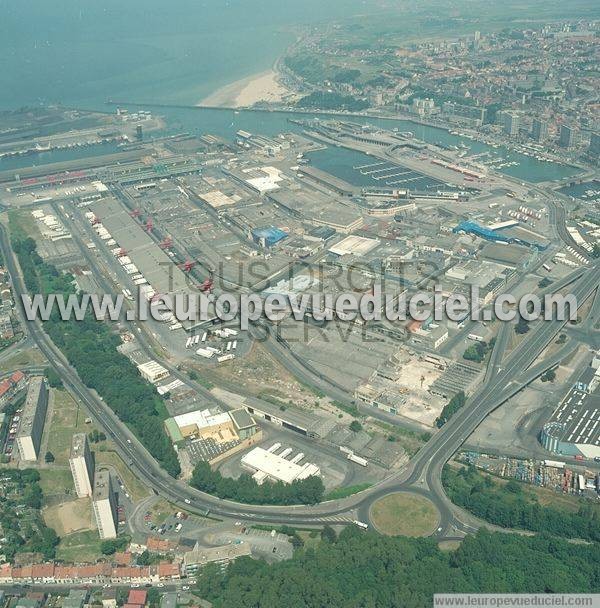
[[67, 418], [79, 547], [403, 514], [56, 482]]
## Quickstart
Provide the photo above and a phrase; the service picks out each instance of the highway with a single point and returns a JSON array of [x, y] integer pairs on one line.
[[422, 475]]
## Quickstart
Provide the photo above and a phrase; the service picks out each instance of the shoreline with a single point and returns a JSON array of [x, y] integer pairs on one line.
[[262, 86]]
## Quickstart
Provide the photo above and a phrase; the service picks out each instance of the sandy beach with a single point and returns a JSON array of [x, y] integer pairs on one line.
[[248, 91]]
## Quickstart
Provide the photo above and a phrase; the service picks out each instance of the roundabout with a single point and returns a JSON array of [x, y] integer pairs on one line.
[[404, 514]]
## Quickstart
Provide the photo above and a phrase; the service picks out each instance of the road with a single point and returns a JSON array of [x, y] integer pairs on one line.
[[422, 475]]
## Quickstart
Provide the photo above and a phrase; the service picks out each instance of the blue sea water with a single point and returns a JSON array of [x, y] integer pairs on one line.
[[82, 52]]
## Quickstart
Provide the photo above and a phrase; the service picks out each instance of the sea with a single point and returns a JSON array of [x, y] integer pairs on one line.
[[164, 55]]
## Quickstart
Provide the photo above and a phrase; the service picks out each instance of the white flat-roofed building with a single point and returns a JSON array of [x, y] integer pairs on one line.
[[105, 505], [82, 466], [267, 465], [29, 436], [192, 422], [153, 371], [354, 245]]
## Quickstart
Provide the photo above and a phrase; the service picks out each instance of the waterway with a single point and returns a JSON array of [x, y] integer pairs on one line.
[[226, 123], [9, 163]]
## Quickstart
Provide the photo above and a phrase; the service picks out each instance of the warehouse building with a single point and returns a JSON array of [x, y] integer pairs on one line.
[[268, 236], [221, 427], [153, 371], [266, 465], [153, 263], [29, 436], [574, 427]]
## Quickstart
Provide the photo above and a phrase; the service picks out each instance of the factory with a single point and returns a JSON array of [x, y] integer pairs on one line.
[[267, 465]]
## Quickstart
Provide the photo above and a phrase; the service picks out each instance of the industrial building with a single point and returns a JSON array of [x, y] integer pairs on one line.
[[201, 423], [209, 436], [153, 371], [151, 261], [105, 505], [354, 245], [268, 236], [82, 465], [267, 465], [574, 427], [29, 436]]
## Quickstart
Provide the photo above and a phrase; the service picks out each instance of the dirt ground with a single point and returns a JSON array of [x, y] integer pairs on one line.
[[68, 517]]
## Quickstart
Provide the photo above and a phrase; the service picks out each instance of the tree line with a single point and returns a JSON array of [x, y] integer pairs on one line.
[[307, 491], [450, 409], [512, 505], [364, 570], [90, 347]]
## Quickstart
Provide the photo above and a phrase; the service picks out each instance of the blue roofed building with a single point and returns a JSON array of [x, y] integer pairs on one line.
[[268, 236]]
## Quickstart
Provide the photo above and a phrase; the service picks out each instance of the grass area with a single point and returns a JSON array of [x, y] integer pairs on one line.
[[410, 440], [30, 356], [160, 511], [67, 418], [347, 491], [548, 497], [56, 482], [25, 222], [403, 514], [449, 545], [311, 538], [110, 458], [79, 547]]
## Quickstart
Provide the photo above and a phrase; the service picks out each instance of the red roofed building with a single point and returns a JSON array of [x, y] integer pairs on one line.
[[137, 597], [159, 545], [42, 574], [122, 559], [18, 378], [168, 571], [6, 390]]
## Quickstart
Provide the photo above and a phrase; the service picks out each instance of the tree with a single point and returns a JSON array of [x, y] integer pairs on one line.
[[355, 426], [111, 546], [96, 436], [451, 408], [549, 376], [476, 352], [49, 457], [522, 326], [246, 489], [328, 534], [364, 569], [54, 379]]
